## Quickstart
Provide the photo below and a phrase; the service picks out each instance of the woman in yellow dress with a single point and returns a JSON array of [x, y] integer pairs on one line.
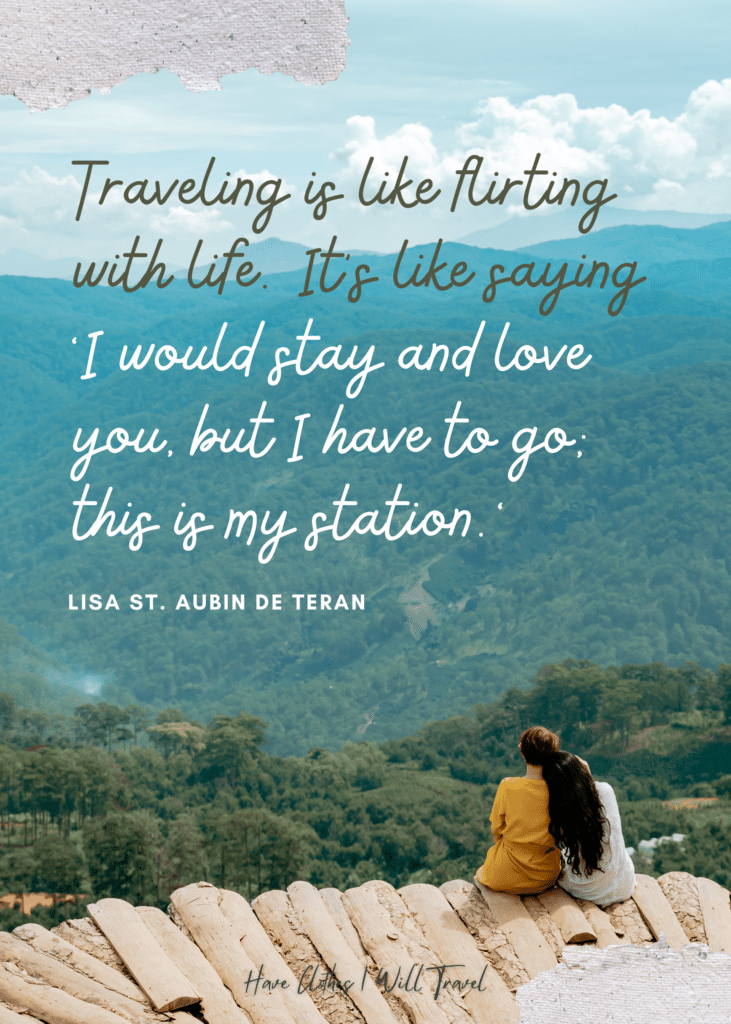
[[525, 858]]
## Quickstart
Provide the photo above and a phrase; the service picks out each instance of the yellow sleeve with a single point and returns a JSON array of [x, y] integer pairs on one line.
[[497, 814]]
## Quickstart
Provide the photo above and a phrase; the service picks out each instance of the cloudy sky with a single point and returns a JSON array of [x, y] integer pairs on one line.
[[636, 92]]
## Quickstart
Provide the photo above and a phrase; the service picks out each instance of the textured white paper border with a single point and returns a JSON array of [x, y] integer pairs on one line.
[[631, 985], [54, 52]]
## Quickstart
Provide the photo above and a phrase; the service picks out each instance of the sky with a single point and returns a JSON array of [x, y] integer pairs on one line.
[[639, 93]]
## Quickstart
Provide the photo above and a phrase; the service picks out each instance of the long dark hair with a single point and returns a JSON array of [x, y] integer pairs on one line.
[[577, 816]]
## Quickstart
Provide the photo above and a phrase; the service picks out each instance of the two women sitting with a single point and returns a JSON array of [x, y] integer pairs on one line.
[[557, 807]]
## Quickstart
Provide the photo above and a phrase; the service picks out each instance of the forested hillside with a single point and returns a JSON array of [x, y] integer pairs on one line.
[[656, 244], [109, 801], [619, 556]]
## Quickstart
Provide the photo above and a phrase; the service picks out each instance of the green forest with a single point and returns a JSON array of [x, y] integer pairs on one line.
[[110, 801], [143, 748], [620, 556]]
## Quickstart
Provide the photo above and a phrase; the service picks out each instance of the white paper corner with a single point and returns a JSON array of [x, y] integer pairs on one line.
[[54, 52]]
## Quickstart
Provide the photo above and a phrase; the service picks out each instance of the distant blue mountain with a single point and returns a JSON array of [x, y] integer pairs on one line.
[[529, 231], [271, 255], [665, 235], [651, 243]]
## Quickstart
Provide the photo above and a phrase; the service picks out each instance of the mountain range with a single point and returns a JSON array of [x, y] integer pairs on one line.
[[619, 555]]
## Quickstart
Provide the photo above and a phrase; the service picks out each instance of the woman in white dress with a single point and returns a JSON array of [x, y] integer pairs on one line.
[[596, 865]]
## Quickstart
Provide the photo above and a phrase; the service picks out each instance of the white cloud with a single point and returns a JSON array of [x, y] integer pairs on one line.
[[412, 139], [38, 214], [181, 220], [652, 162], [36, 195]]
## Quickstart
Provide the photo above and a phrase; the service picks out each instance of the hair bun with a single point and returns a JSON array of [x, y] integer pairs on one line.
[[539, 745]]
